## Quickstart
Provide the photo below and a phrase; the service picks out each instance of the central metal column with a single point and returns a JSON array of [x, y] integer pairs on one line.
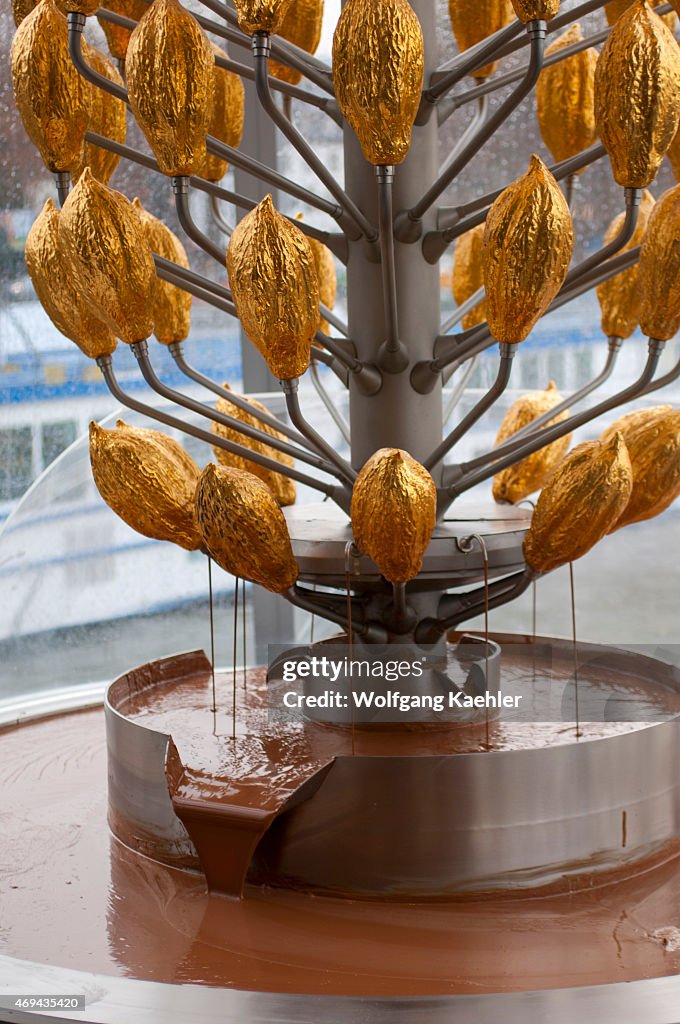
[[397, 417]]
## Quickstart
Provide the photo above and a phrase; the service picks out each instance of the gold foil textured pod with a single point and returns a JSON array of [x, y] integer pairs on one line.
[[59, 296], [106, 115], [564, 98], [631, 421], [471, 23], [528, 241], [117, 36], [615, 8], [516, 482], [619, 297], [170, 77], [659, 269], [281, 487], [579, 504], [51, 96], [273, 280], [244, 529], [171, 305], [467, 274], [536, 10], [108, 256], [378, 62], [261, 15], [148, 480], [226, 117], [654, 449], [637, 95], [22, 8], [302, 26], [393, 512]]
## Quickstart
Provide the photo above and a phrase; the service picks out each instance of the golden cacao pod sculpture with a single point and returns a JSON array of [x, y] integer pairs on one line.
[[564, 98], [631, 421], [51, 96], [467, 274], [118, 37], [579, 504], [378, 62], [637, 95], [659, 269], [148, 480], [171, 305], [528, 241], [108, 256], [281, 487], [22, 8], [170, 77], [654, 449], [536, 10], [261, 15], [302, 26], [620, 297], [244, 529], [59, 296], [275, 288], [615, 8], [516, 482], [393, 513], [226, 117], [106, 115], [473, 22]]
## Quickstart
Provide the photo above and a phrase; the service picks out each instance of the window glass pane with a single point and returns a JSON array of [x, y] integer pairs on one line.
[[16, 462], [55, 438]]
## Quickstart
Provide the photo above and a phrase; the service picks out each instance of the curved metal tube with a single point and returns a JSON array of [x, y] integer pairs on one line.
[[343, 469], [105, 364], [467, 479], [168, 271], [328, 105], [392, 356], [507, 354], [459, 389], [444, 78], [461, 311], [140, 350], [176, 349], [536, 31], [180, 188], [334, 413], [632, 198], [358, 224], [457, 608], [303, 599], [217, 216]]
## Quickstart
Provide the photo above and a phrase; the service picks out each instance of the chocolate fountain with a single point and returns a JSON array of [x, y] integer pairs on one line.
[[437, 852]]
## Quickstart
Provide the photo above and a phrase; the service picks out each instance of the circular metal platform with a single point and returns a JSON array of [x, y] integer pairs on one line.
[[320, 534]]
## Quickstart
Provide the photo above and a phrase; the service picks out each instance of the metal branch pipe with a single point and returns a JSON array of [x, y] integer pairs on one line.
[[507, 355], [328, 402], [140, 350], [168, 271], [343, 470], [456, 348], [354, 222], [467, 479], [105, 364], [229, 153], [176, 349], [392, 357], [180, 188], [632, 198], [520, 436], [372, 632], [456, 608], [325, 103], [452, 222], [475, 57], [408, 226]]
